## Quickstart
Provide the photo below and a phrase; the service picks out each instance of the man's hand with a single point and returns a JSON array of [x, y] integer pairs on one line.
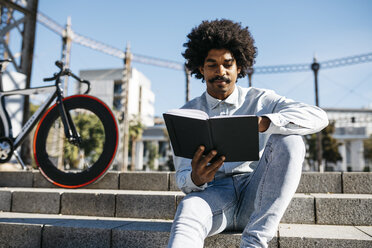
[[263, 123], [202, 172]]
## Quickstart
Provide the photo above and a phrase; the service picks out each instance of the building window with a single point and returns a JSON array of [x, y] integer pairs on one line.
[[118, 87], [117, 103]]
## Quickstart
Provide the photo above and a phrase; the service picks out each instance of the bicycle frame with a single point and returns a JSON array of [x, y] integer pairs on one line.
[[69, 128], [26, 129]]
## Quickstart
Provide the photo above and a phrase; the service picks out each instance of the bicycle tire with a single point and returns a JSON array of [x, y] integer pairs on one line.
[[87, 107]]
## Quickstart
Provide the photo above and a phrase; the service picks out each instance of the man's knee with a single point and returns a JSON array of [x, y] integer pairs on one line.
[[194, 213], [288, 145], [194, 206]]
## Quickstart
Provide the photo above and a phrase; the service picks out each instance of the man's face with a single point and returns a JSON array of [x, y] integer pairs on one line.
[[220, 73]]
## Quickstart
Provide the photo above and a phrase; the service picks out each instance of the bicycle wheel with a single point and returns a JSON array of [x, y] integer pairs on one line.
[[6, 145], [72, 166]]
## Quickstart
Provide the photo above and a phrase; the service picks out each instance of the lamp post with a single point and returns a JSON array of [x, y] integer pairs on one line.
[[188, 78], [250, 73], [315, 66], [125, 95]]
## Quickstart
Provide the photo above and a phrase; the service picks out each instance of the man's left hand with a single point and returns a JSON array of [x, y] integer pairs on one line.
[[263, 123]]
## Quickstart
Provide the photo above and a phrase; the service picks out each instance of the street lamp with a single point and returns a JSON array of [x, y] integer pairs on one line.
[[250, 73], [315, 66]]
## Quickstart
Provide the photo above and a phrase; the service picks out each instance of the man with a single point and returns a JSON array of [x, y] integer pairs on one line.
[[248, 196]]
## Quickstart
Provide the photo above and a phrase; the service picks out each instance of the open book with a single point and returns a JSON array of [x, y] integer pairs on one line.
[[235, 137]]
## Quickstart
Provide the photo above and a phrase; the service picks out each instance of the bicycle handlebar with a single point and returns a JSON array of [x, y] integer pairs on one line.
[[2, 61], [50, 79], [59, 64], [5, 60], [66, 72]]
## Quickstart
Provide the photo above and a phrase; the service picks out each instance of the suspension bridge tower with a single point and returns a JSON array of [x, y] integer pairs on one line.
[[20, 17]]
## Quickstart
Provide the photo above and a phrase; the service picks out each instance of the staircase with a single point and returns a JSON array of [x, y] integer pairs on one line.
[[135, 209]]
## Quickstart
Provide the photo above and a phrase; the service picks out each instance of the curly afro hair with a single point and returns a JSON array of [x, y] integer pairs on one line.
[[219, 34]]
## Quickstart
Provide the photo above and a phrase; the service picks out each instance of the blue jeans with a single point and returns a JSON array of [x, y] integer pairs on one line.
[[253, 202]]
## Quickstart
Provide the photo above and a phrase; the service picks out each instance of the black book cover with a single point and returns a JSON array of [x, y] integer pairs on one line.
[[235, 137]]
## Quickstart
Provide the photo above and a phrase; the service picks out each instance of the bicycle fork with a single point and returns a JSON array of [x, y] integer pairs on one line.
[[69, 127]]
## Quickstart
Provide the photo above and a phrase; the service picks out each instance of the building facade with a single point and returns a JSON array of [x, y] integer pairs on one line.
[[106, 84], [352, 127]]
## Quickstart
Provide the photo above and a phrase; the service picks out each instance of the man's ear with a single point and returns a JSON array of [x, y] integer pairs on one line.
[[239, 69], [201, 69]]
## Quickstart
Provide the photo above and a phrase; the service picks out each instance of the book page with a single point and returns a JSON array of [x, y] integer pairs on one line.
[[230, 116], [191, 113]]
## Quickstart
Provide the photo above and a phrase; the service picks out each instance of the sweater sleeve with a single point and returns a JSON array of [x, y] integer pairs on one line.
[[183, 175], [290, 117]]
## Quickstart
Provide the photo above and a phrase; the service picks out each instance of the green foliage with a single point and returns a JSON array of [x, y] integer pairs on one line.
[[92, 133], [33, 108], [153, 153], [135, 133], [170, 163], [311, 145], [135, 129], [329, 145], [368, 148]]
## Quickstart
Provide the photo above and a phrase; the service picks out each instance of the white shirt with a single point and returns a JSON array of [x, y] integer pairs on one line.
[[287, 117]]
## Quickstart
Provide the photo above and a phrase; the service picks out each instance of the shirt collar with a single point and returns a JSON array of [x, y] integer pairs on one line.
[[231, 99]]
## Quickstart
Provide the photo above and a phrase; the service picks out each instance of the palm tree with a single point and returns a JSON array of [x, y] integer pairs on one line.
[[135, 133]]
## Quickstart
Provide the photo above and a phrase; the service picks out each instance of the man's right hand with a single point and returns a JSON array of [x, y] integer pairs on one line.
[[202, 172]]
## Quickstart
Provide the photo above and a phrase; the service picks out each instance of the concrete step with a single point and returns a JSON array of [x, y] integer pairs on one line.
[[332, 209], [311, 182], [41, 230]]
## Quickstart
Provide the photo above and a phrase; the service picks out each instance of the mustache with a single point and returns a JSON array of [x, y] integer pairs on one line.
[[220, 78]]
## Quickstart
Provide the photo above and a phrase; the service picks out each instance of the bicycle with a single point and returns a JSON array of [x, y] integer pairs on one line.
[[76, 139]]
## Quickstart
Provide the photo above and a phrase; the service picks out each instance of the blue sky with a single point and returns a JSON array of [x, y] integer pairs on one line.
[[285, 32]]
